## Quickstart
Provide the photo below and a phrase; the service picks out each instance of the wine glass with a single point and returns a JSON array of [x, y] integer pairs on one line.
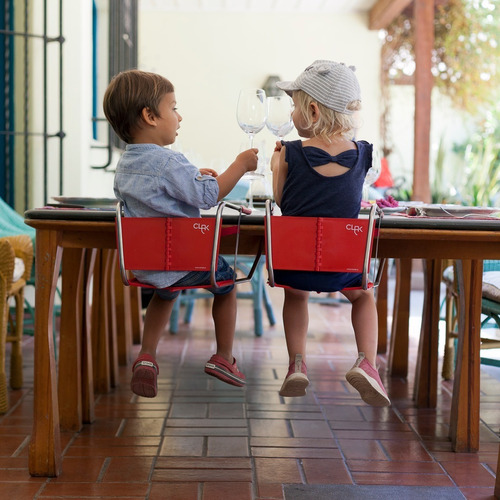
[[373, 174], [251, 112], [279, 115], [251, 116]]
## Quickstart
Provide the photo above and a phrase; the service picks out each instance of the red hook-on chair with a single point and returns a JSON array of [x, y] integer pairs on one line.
[[175, 244], [323, 244]]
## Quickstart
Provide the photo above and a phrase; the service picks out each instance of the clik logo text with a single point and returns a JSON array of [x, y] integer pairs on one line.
[[355, 228], [201, 227]]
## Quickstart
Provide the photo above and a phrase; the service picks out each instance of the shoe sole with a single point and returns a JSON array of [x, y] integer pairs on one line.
[[294, 386], [368, 388], [144, 382], [223, 375]]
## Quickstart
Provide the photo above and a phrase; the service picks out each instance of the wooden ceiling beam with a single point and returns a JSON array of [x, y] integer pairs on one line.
[[385, 11]]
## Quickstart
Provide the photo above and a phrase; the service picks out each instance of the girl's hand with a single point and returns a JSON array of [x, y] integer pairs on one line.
[[275, 156], [208, 171]]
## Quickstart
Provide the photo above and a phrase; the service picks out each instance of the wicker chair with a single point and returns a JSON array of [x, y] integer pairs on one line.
[[11, 330]]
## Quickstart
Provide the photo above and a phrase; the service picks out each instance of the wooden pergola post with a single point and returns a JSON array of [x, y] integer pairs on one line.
[[423, 12], [381, 15]]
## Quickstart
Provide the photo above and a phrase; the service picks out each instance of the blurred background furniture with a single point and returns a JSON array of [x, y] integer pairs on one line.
[[490, 310], [16, 261], [11, 224]]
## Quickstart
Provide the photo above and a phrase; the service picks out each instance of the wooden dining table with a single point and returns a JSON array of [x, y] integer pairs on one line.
[[69, 236]]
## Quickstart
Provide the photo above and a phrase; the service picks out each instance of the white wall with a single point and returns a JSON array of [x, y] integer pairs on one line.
[[209, 57]]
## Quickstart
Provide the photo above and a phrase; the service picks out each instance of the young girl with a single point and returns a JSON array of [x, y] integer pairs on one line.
[[153, 181], [323, 176]]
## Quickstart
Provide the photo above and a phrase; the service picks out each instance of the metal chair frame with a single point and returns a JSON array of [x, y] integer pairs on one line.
[[219, 231], [370, 242]]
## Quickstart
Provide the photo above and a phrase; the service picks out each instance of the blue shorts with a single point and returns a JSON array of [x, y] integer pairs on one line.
[[224, 272]]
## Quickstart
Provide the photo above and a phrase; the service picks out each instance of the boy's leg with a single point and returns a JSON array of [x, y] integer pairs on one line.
[[155, 321], [145, 368], [224, 316], [222, 365]]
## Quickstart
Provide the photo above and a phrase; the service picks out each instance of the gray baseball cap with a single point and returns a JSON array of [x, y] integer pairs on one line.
[[332, 84]]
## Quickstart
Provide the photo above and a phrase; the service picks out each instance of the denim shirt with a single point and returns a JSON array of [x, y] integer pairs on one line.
[[153, 181]]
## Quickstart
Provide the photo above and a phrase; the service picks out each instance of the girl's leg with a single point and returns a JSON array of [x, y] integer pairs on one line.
[[295, 321], [364, 376], [364, 322]]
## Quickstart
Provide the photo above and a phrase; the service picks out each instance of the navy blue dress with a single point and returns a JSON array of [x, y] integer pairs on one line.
[[307, 193]]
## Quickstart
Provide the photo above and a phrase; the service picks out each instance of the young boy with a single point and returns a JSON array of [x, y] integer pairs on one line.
[[153, 181]]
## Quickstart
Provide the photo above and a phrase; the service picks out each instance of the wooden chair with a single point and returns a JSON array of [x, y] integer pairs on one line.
[[11, 330], [325, 244], [175, 244]]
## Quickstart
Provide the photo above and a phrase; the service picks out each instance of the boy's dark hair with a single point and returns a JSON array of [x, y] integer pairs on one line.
[[128, 93]]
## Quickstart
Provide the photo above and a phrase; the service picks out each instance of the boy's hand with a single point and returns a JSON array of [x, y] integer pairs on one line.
[[248, 159], [208, 171]]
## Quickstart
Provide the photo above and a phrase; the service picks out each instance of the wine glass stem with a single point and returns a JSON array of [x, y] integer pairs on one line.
[[366, 192], [251, 140], [250, 194]]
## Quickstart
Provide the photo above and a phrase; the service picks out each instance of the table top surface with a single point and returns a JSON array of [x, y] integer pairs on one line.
[[401, 221]]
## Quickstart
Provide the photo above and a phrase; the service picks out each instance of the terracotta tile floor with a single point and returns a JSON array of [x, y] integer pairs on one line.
[[203, 440]]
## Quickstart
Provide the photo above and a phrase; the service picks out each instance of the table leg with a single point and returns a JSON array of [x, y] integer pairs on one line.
[[464, 422], [123, 317], [398, 351], [70, 381], [88, 402], [382, 311], [426, 373], [110, 256], [497, 481], [100, 342], [45, 446], [136, 310]]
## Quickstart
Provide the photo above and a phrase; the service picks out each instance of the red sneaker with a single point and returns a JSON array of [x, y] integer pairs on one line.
[[144, 379], [222, 369], [366, 380], [296, 380]]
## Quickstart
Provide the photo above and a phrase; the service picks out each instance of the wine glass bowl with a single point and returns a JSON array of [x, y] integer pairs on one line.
[[374, 171], [279, 115], [372, 174], [251, 112]]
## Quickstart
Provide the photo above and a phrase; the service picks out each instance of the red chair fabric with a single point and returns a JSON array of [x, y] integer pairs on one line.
[[320, 244], [173, 244]]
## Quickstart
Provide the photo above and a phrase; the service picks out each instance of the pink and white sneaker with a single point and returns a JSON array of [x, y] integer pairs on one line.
[[366, 380], [296, 380]]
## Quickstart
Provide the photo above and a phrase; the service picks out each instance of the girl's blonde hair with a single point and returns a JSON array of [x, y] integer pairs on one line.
[[331, 123]]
